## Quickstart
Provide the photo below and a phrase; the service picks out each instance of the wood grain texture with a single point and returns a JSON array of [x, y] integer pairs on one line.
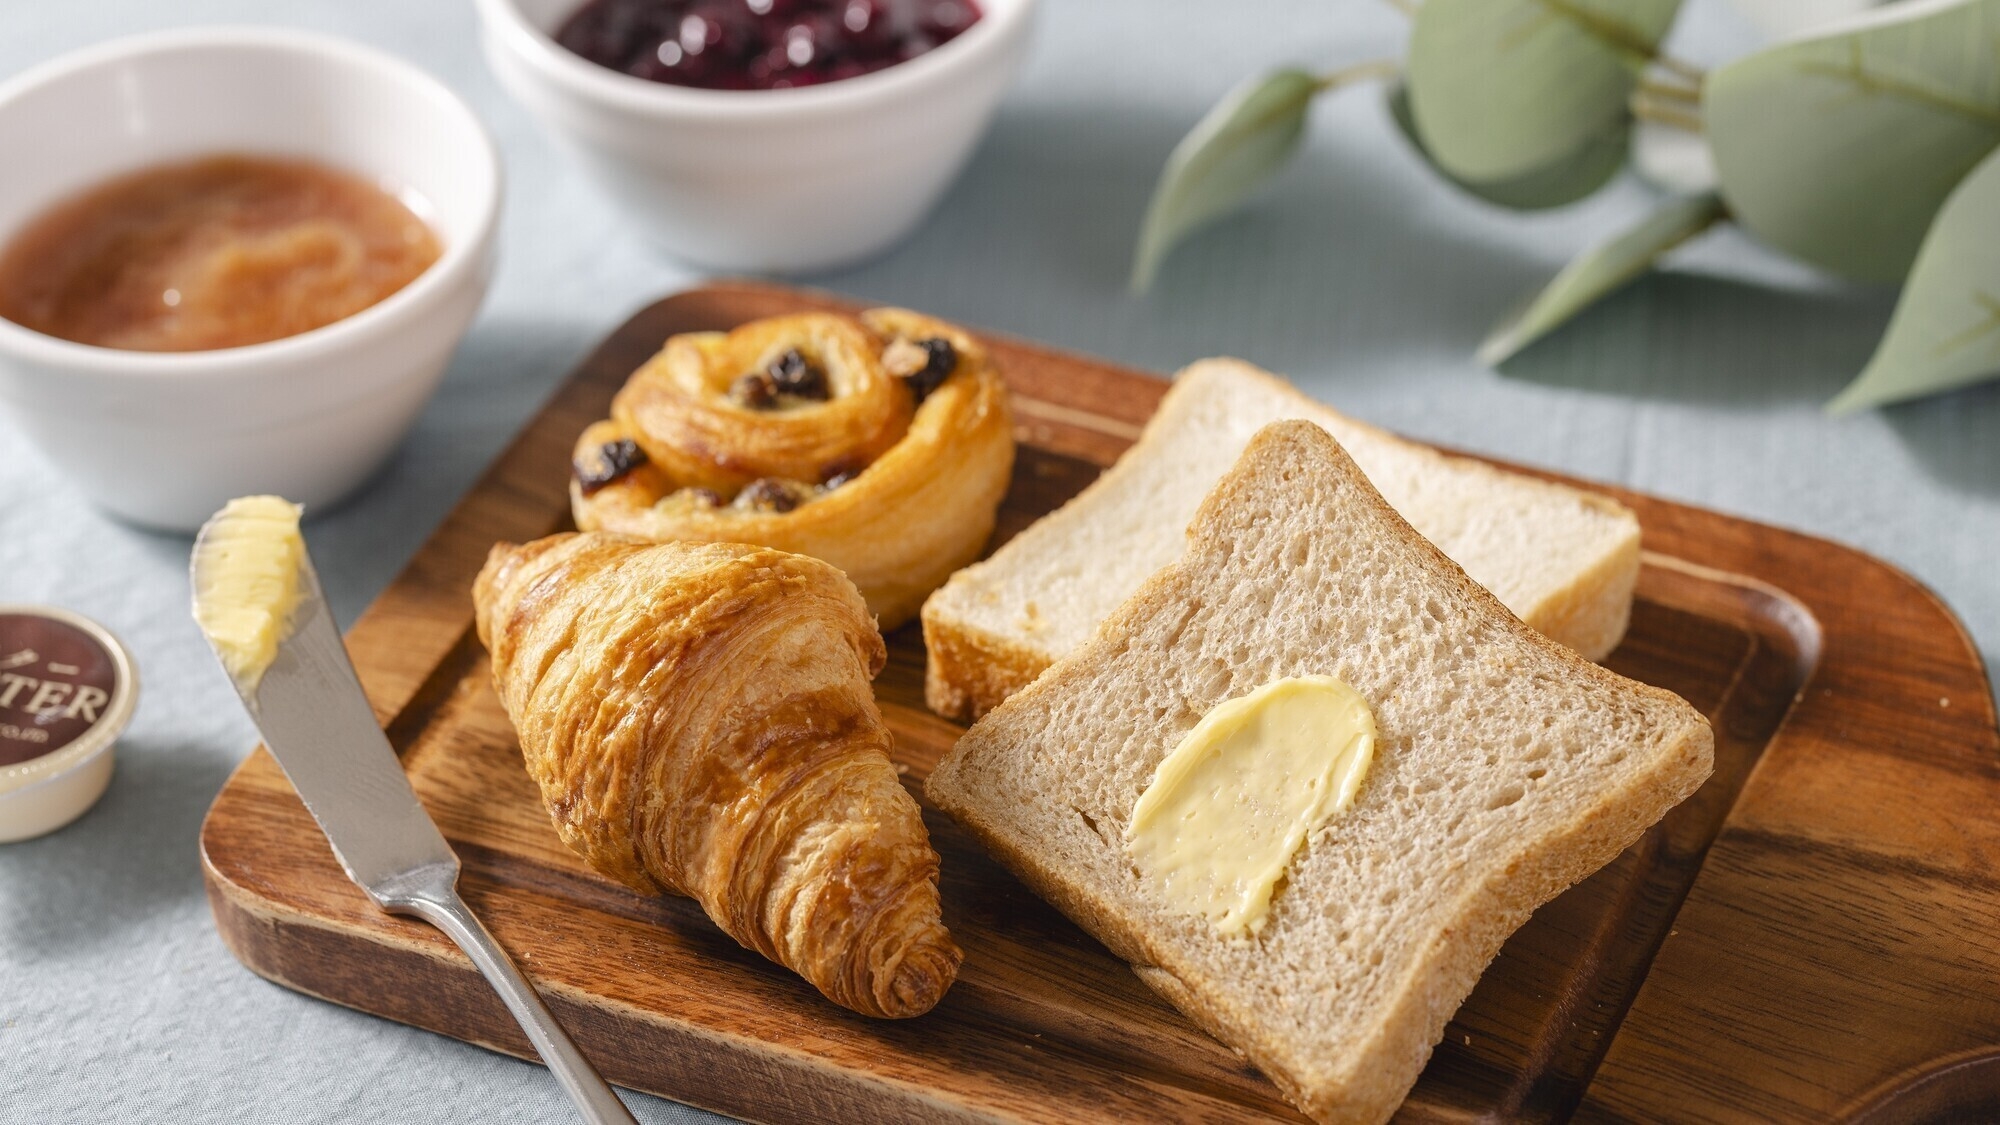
[[1809, 936]]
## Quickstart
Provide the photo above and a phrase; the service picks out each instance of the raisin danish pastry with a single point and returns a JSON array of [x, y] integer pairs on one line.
[[880, 443], [699, 719]]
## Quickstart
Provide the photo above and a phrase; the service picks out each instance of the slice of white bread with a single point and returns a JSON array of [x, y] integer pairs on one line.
[[1564, 561], [1507, 768]]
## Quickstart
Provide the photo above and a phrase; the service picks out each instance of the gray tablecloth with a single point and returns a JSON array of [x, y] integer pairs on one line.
[[1357, 273]]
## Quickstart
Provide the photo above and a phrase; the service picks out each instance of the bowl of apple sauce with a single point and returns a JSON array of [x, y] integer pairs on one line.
[[233, 261]]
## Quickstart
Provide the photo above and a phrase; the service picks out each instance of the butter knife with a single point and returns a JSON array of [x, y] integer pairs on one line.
[[315, 719]]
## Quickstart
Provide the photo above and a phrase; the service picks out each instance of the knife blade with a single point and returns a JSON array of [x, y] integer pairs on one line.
[[316, 721]]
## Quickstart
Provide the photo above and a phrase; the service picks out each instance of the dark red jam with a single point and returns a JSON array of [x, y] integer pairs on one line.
[[760, 44]]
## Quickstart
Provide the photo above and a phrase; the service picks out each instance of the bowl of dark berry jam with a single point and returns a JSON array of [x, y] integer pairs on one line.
[[760, 44], [763, 135]]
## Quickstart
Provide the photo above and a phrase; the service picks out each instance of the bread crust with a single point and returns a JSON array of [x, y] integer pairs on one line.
[[971, 670], [1367, 1080]]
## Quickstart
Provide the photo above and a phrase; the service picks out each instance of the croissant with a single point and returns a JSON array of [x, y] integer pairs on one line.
[[881, 444], [699, 720]]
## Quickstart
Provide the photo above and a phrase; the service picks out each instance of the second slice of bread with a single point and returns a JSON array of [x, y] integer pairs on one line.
[[1564, 560], [1507, 768]]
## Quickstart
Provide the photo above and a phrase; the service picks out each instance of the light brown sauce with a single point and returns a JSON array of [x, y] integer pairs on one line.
[[216, 253]]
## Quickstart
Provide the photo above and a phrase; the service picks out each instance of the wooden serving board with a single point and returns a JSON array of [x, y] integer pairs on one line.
[[1811, 937]]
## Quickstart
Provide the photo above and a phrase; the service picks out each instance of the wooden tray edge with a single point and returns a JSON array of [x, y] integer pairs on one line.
[[282, 945]]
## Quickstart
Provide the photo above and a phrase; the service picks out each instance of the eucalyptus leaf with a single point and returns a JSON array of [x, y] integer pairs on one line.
[[1599, 271], [1566, 180], [1945, 332], [1839, 148], [1245, 138], [1786, 18], [1502, 89]]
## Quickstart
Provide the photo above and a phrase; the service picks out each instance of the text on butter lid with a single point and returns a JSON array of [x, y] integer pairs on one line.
[[66, 690]]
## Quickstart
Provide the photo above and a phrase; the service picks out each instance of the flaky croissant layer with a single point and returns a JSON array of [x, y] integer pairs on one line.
[[699, 719]]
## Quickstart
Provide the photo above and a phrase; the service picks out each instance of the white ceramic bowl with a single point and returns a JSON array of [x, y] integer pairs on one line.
[[163, 439], [765, 180]]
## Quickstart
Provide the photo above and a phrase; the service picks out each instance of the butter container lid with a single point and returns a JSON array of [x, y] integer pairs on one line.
[[67, 689]]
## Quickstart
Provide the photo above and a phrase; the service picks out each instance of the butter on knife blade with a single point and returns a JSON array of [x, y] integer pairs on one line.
[[246, 583], [258, 600]]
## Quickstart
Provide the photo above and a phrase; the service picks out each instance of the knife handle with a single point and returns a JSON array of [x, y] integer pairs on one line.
[[436, 901]]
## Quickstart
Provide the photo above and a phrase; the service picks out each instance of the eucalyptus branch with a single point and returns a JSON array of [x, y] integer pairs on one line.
[[1682, 67], [1670, 114], [1670, 91], [1359, 72]]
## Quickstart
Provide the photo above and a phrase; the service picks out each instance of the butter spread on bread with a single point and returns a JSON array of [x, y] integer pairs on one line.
[[1226, 811], [246, 583], [1506, 768], [1562, 560]]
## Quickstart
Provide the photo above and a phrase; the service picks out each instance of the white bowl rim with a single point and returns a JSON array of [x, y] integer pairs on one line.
[[460, 255], [998, 19]]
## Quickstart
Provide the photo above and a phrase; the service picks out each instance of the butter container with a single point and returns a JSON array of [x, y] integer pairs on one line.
[[67, 689]]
